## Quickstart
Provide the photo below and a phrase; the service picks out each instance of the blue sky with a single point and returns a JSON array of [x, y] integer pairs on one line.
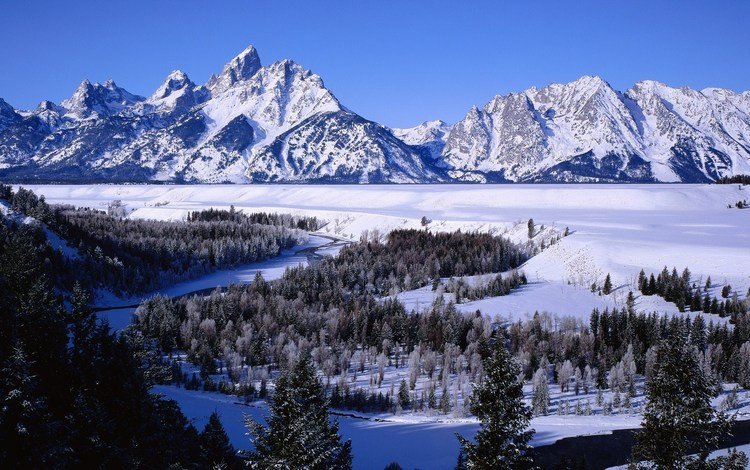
[[396, 62]]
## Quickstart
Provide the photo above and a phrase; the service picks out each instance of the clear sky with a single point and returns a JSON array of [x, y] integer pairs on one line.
[[396, 62]]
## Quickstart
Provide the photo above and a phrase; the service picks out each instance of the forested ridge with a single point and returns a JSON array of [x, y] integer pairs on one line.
[[129, 256], [336, 302]]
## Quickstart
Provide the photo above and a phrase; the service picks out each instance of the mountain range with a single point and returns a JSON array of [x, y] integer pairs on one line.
[[279, 123]]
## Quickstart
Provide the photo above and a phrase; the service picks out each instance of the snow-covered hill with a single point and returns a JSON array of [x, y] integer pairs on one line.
[[279, 123]]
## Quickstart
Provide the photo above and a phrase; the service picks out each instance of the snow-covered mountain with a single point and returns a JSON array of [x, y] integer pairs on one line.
[[279, 123], [587, 131], [429, 135], [250, 123]]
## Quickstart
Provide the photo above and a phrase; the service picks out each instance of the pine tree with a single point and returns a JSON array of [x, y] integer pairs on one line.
[[607, 288], [299, 432], [540, 394], [403, 395], [502, 440], [678, 415], [216, 450]]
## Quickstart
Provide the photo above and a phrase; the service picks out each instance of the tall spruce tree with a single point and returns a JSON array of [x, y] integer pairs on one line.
[[679, 418], [216, 450], [299, 433], [503, 439]]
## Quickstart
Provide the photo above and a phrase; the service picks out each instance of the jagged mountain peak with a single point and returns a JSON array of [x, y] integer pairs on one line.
[[8, 115], [47, 105], [429, 135], [276, 97], [94, 100], [427, 130], [5, 107], [175, 81], [242, 67]]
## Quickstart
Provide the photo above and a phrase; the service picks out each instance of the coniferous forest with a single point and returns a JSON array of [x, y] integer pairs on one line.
[[76, 395]]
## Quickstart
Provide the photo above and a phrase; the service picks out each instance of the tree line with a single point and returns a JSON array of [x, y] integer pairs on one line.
[[686, 294], [130, 256]]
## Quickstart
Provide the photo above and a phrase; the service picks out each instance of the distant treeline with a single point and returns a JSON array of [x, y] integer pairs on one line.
[[129, 256], [687, 295], [497, 286], [308, 224], [736, 179]]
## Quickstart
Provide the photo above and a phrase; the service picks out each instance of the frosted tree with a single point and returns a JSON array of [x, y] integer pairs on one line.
[[588, 379], [429, 362], [628, 369], [564, 374], [414, 368], [382, 361]]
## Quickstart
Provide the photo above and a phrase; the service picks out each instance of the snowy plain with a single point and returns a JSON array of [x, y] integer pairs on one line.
[[615, 229]]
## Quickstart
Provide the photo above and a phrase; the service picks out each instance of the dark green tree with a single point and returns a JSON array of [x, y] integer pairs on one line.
[[503, 438], [216, 450], [679, 418], [299, 433]]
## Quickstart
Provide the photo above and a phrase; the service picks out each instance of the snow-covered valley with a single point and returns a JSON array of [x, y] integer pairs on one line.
[[613, 229]]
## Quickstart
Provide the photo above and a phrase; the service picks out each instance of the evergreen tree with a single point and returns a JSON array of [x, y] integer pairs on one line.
[[216, 450], [403, 395], [540, 397], [299, 432], [679, 416], [502, 440], [607, 288]]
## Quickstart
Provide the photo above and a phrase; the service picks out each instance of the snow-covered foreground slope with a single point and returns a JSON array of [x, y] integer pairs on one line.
[[616, 229]]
